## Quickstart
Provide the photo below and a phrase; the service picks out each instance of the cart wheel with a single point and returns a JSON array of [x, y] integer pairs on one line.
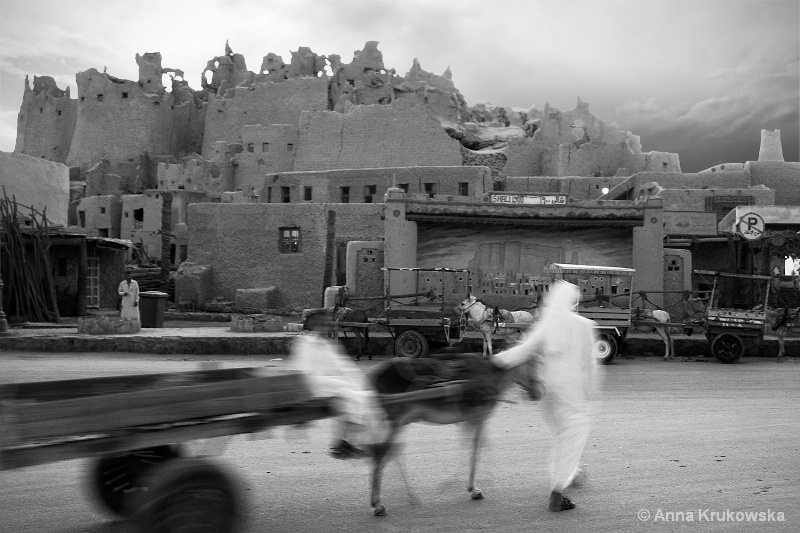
[[411, 343], [727, 347], [189, 495], [114, 478], [605, 349]]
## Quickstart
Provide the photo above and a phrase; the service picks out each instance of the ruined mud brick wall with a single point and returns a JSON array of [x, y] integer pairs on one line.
[[264, 149], [364, 81], [577, 143], [437, 93], [118, 121], [326, 186], [374, 136], [197, 175], [37, 183], [46, 120], [783, 177], [596, 159], [268, 103], [495, 160]]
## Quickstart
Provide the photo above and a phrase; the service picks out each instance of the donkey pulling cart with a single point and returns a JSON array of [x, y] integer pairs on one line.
[[132, 427]]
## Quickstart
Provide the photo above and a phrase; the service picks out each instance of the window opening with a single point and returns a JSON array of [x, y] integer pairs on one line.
[[290, 240], [369, 193]]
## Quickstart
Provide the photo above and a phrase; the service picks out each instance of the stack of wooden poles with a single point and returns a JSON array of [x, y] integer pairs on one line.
[[29, 290]]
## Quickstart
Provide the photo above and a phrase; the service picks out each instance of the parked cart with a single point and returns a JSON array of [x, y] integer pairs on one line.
[[425, 317], [132, 428], [605, 298], [736, 313]]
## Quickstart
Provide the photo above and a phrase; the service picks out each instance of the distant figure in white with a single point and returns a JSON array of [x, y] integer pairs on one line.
[[129, 290], [565, 343], [361, 421]]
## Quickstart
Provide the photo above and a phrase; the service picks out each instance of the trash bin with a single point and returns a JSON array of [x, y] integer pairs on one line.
[[151, 308]]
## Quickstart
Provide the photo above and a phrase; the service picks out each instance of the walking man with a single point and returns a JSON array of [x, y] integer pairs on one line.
[[565, 343]]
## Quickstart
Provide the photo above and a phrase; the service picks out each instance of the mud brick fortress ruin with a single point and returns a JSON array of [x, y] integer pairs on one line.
[[264, 188]]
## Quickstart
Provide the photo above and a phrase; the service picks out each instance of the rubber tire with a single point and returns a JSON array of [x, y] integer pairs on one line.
[[411, 343], [727, 347], [606, 348], [114, 478], [189, 495]]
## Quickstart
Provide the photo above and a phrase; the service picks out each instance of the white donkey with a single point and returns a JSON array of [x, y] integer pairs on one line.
[[482, 317]]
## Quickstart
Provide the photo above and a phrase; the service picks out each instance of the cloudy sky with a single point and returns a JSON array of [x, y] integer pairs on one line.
[[698, 77]]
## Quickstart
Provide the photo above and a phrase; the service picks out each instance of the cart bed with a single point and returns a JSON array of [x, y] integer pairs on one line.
[[58, 420]]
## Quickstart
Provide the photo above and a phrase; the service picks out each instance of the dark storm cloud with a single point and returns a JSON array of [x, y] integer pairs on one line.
[[698, 130]]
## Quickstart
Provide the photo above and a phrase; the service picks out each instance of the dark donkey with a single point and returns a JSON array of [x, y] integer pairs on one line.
[[325, 319], [462, 388]]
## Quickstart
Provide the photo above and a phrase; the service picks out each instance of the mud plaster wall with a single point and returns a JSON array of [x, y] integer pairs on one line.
[[675, 180], [696, 199], [197, 175], [118, 121], [46, 122], [374, 136], [37, 183], [364, 274], [273, 150], [270, 103], [523, 158], [604, 159], [244, 256], [326, 185], [575, 187], [101, 216], [784, 178], [146, 232]]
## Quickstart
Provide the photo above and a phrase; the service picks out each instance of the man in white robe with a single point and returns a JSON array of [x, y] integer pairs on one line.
[[361, 421], [129, 291], [565, 343]]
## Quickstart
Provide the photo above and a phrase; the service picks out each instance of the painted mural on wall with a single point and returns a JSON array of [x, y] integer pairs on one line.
[[507, 264]]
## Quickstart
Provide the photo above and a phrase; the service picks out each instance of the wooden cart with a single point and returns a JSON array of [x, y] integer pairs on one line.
[[736, 314], [427, 316], [605, 298], [132, 428]]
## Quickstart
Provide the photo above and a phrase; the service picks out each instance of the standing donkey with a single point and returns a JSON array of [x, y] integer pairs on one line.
[[659, 315], [483, 318]]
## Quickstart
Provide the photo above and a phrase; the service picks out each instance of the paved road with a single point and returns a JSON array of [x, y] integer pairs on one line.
[[677, 440]]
